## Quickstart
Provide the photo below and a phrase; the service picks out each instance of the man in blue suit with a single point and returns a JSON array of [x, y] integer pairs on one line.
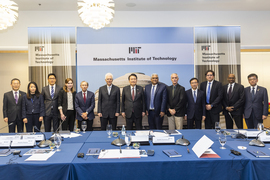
[[84, 105], [155, 101], [256, 106], [195, 105]]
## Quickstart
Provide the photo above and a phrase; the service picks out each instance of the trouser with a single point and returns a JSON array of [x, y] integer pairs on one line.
[[47, 123], [18, 122], [89, 125], [211, 119], [252, 121], [237, 119], [68, 124], [198, 123], [104, 122], [175, 122], [32, 120], [133, 119]]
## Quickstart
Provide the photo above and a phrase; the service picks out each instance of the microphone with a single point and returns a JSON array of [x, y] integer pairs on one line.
[[43, 143], [6, 125], [52, 138], [257, 142], [238, 135]]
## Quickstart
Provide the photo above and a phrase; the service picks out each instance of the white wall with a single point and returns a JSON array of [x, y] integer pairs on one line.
[[255, 25]]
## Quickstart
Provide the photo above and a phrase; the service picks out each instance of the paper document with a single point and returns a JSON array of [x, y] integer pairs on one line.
[[142, 133], [172, 132], [115, 154], [71, 135], [202, 145], [160, 134], [40, 157], [209, 154], [37, 151]]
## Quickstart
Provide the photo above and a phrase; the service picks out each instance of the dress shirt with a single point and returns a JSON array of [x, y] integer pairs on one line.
[[251, 87], [51, 89], [229, 85], [70, 101], [134, 90], [18, 94], [196, 92], [109, 89], [210, 87]]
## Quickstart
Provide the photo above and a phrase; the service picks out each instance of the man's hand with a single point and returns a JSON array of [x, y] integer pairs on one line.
[[185, 117], [63, 117], [116, 114], [84, 115], [208, 107], [40, 118], [162, 114], [123, 114], [143, 114], [203, 118], [172, 111], [25, 120], [230, 109], [99, 115], [264, 117], [6, 119]]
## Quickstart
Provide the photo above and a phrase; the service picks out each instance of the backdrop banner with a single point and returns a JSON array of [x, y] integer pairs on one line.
[[52, 50], [217, 48]]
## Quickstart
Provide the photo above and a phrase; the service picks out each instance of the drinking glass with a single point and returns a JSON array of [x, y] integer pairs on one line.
[[84, 126], [222, 141], [128, 140], [109, 130], [57, 141], [217, 127], [260, 126]]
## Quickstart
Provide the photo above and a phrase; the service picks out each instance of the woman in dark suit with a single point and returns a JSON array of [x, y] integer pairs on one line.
[[66, 105], [32, 107]]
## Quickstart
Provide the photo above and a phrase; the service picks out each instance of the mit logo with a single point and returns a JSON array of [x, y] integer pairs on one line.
[[39, 48], [134, 50], [206, 48]]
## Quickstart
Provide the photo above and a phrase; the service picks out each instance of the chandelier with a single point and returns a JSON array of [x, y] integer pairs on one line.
[[8, 13], [96, 13]]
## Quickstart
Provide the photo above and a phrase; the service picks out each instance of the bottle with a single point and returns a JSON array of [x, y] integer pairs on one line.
[[123, 131]]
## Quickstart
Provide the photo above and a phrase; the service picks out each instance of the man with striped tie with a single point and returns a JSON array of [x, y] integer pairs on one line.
[[50, 94], [213, 94]]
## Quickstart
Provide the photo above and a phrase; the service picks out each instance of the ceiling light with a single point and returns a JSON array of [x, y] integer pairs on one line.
[[96, 13], [8, 13]]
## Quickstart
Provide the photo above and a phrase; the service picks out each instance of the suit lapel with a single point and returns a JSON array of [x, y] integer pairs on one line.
[[157, 88], [137, 91], [177, 87], [211, 92], [48, 91], [234, 90], [12, 97]]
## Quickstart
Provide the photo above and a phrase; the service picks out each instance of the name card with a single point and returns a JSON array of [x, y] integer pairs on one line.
[[12, 137], [23, 143], [139, 138], [264, 138], [4, 143], [252, 133], [38, 137], [163, 140]]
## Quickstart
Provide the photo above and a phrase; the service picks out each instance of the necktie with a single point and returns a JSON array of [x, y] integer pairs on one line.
[[230, 92], [208, 94], [109, 90], [173, 90], [16, 97], [152, 98], [52, 92], [253, 93], [195, 97], [84, 98], [132, 94]]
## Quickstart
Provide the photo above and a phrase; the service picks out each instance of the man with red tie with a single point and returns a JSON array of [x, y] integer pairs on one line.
[[84, 105]]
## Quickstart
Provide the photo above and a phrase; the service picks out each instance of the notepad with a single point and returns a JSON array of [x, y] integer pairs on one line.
[[171, 153], [258, 153]]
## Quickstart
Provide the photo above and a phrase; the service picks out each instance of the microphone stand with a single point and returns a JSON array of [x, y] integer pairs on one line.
[[52, 138], [238, 135], [43, 143], [6, 125], [257, 142]]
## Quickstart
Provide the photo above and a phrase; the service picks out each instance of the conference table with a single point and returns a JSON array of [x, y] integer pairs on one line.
[[66, 165]]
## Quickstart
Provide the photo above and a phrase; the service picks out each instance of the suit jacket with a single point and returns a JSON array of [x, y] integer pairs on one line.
[[88, 106], [138, 105], [197, 109], [35, 107], [11, 110], [108, 105], [50, 102], [160, 98], [259, 105], [216, 95], [63, 100], [237, 99], [178, 102]]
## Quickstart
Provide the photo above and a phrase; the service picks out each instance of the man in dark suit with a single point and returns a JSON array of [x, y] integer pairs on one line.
[[133, 105], [256, 105], [155, 102], [176, 104], [195, 105], [108, 103], [233, 102], [85, 104], [12, 106], [213, 92], [50, 95]]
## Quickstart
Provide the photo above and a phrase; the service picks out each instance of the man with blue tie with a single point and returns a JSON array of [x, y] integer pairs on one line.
[[155, 102], [213, 92], [256, 106], [195, 105], [50, 95], [84, 105]]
